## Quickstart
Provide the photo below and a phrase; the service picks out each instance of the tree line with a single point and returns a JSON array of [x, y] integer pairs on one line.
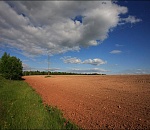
[[25, 73], [11, 68]]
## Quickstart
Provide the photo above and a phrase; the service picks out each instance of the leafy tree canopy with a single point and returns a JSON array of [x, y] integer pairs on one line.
[[10, 67]]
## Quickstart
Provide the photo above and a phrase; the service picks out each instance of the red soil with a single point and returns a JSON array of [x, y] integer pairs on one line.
[[93, 102]]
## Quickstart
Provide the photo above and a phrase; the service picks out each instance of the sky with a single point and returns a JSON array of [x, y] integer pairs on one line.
[[77, 36]]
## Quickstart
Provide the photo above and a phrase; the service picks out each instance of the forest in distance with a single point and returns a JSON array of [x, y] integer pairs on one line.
[[25, 73]]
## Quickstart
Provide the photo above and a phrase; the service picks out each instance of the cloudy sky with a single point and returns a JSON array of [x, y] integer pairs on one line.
[[79, 36]]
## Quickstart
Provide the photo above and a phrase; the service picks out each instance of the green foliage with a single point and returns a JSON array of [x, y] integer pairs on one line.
[[10, 67], [22, 108], [55, 73]]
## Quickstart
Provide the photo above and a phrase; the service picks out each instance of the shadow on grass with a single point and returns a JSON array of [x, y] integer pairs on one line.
[[22, 78], [47, 76]]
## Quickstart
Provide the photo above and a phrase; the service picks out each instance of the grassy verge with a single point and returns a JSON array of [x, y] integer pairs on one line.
[[22, 108]]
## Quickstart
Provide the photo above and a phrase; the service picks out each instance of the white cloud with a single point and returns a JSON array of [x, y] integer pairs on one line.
[[136, 71], [71, 60], [40, 26], [74, 60], [119, 45], [90, 70], [96, 61], [115, 52], [52, 69], [130, 19], [26, 67]]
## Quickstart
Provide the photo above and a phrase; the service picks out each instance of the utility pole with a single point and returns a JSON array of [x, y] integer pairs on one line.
[[30, 70], [48, 63]]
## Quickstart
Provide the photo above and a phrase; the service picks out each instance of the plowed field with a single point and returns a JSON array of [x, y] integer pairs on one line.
[[93, 102]]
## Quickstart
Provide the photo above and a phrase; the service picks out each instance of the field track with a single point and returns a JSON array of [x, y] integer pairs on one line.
[[113, 102]]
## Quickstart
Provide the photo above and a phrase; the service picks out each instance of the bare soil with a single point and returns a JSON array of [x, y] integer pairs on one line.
[[98, 102]]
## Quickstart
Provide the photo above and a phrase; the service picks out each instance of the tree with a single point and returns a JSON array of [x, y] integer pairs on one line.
[[10, 67]]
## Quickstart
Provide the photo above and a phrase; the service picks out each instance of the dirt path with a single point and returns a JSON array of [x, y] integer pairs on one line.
[[93, 102]]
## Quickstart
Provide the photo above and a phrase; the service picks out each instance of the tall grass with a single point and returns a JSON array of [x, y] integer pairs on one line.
[[22, 108]]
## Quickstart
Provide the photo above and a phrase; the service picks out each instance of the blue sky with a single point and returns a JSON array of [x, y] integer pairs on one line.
[[82, 37]]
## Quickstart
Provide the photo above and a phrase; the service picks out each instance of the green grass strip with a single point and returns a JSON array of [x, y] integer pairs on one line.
[[22, 108]]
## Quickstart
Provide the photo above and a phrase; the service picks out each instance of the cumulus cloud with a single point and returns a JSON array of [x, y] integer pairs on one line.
[[90, 70], [74, 60], [130, 19], [39, 27], [115, 52], [71, 60], [96, 61], [26, 67]]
